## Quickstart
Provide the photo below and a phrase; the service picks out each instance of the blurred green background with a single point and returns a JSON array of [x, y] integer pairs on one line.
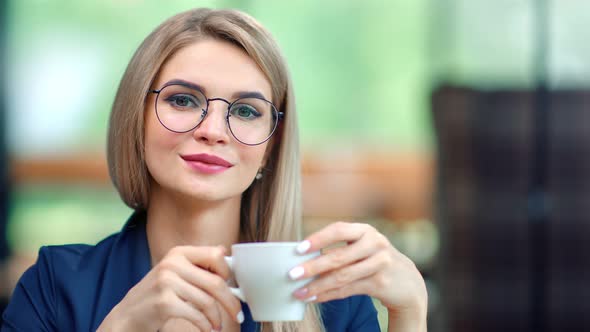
[[364, 74], [361, 73]]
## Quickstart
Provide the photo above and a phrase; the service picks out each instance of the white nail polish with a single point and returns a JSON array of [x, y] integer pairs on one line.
[[303, 247], [296, 272], [240, 317], [310, 299]]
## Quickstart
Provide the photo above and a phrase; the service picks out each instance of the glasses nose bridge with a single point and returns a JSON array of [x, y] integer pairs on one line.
[[209, 100], [206, 112]]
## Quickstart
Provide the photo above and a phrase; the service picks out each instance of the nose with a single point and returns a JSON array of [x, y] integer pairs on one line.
[[213, 129]]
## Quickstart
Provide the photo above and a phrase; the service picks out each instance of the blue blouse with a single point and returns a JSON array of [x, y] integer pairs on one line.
[[74, 287]]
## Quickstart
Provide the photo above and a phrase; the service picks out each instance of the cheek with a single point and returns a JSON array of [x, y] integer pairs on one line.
[[156, 134], [252, 157], [158, 140]]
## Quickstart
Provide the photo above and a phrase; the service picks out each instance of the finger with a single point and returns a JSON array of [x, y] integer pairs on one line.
[[185, 310], [213, 285], [199, 299], [208, 258], [359, 287], [342, 277], [334, 259], [333, 234]]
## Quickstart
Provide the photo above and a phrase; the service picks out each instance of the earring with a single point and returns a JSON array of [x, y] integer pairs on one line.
[[259, 174]]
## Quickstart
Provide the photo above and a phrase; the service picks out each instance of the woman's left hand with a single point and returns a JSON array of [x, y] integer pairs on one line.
[[366, 264]]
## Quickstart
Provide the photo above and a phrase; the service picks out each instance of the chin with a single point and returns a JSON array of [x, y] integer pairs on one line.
[[211, 194]]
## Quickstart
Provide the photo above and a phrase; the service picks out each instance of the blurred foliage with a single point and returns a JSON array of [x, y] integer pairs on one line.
[[54, 214], [360, 69], [493, 44], [363, 72]]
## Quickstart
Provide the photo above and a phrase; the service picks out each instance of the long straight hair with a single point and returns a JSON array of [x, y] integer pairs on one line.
[[271, 206]]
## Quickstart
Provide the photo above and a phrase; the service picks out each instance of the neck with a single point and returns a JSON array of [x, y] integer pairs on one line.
[[176, 222]]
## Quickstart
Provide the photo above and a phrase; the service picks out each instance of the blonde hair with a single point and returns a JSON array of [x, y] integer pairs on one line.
[[271, 206]]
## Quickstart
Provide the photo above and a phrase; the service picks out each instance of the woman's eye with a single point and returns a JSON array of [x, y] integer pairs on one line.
[[245, 112], [182, 101]]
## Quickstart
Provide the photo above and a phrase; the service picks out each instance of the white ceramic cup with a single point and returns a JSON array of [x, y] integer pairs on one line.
[[261, 271]]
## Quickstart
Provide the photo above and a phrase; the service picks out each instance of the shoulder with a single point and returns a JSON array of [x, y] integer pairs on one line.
[[65, 267], [64, 261], [359, 311], [40, 300], [72, 287], [83, 260], [73, 258]]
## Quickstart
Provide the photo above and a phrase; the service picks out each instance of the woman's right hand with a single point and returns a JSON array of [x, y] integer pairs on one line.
[[188, 283]]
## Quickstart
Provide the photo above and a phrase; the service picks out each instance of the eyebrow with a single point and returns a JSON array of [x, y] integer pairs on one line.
[[235, 95], [248, 94], [187, 84]]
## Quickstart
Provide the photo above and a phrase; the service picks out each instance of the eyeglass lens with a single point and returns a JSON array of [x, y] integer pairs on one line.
[[180, 109]]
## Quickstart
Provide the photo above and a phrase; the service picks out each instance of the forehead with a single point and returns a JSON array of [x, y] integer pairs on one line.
[[220, 67]]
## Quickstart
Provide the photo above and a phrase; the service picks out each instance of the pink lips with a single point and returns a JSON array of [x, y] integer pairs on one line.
[[207, 163]]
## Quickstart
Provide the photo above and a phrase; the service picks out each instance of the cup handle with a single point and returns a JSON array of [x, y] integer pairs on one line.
[[234, 290]]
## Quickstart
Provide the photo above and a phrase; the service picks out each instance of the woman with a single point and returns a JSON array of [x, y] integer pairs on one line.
[[203, 146]]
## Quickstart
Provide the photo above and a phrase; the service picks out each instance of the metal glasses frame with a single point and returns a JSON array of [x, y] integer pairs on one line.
[[279, 115]]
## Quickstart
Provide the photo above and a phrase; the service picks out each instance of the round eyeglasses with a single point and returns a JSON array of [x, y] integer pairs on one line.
[[251, 119]]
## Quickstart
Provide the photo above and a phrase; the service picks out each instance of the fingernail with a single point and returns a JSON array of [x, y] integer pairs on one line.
[[310, 299], [296, 272], [303, 247], [301, 293], [240, 317]]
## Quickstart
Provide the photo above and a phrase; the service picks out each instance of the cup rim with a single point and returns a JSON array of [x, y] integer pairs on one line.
[[265, 244]]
